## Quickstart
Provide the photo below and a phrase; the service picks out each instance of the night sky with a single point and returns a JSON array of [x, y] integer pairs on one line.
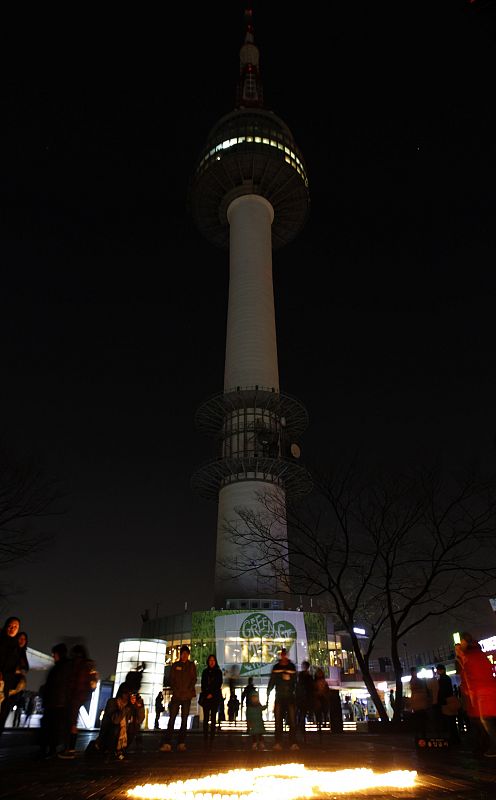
[[114, 308]]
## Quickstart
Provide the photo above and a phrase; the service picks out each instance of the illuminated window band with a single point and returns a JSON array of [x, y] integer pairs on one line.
[[290, 156]]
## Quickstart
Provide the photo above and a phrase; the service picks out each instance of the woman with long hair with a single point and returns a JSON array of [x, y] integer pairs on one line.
[[211, 693]]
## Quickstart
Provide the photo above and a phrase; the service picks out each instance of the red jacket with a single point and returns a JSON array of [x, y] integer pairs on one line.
[[478, 682]]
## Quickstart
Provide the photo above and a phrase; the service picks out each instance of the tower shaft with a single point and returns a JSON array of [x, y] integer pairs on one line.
[[233, 577], [251, 360], [251, 346]]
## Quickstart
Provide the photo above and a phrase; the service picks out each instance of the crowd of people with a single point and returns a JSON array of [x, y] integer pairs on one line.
[[436, 705], [14, 666], [299, 696], [69, 684], [440, 708]]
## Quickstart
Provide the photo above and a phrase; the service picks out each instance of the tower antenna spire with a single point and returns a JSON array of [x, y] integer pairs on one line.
[[249, 91]]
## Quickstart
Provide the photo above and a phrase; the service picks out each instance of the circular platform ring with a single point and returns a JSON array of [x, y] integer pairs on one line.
[[211, 415], [213, 476]]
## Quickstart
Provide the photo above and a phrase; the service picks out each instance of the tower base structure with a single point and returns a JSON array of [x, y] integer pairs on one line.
[[246, 639]]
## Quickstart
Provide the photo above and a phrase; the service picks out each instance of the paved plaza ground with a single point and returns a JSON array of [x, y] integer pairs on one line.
[[455, 772]]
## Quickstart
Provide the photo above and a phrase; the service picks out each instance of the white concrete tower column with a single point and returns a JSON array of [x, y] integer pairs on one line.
[[251, 346], [251, 360]]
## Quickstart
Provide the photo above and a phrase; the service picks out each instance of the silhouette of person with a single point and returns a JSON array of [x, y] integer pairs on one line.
[[254, 721], [10, 665], [303, 697], [211, 689], [55, 696], [321, 699], [248, 690], [283, 679], [420, 704], [83, 680], [113, 731], [159, 709]]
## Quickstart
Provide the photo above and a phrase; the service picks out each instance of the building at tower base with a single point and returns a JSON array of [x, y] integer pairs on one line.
[[247, 642]]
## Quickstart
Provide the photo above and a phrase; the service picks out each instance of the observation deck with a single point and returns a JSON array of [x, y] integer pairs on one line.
[[209, 479], [250, 151]]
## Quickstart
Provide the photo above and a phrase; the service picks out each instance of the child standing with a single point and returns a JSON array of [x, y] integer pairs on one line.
[[254, 721]]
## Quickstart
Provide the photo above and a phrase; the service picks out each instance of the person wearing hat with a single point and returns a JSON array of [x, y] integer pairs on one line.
[[183, 685]]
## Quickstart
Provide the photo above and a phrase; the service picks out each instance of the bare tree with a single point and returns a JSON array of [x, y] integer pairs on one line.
[[27, 499], [389, 553]]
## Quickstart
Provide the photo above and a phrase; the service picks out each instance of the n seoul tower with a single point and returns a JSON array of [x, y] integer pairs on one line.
[[249, 194]]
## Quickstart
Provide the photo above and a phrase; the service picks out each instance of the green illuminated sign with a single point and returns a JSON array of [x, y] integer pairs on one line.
[[258, 630]]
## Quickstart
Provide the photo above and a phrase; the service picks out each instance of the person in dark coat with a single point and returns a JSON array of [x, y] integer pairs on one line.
[[136, 708], [83, 681], [159, 709], [55, 696], [112, 738], [321, 699], [10, 665], [17, 693], [283, 679], [248, 690], [211, 693], [304, 697], [22, 641], [232, 707], [335, 711], [183, 684], [445, 724], [221, 712]]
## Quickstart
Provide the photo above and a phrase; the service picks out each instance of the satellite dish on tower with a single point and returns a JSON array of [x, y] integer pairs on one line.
[[295, 450]]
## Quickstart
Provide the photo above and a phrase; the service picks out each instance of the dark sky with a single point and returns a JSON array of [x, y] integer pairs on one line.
[[114, 308]]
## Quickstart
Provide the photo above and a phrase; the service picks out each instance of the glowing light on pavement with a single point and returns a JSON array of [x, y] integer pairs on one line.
[[279, 782]]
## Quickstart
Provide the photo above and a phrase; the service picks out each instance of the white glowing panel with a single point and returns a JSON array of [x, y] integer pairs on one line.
[[151, 652], [285, 781]]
